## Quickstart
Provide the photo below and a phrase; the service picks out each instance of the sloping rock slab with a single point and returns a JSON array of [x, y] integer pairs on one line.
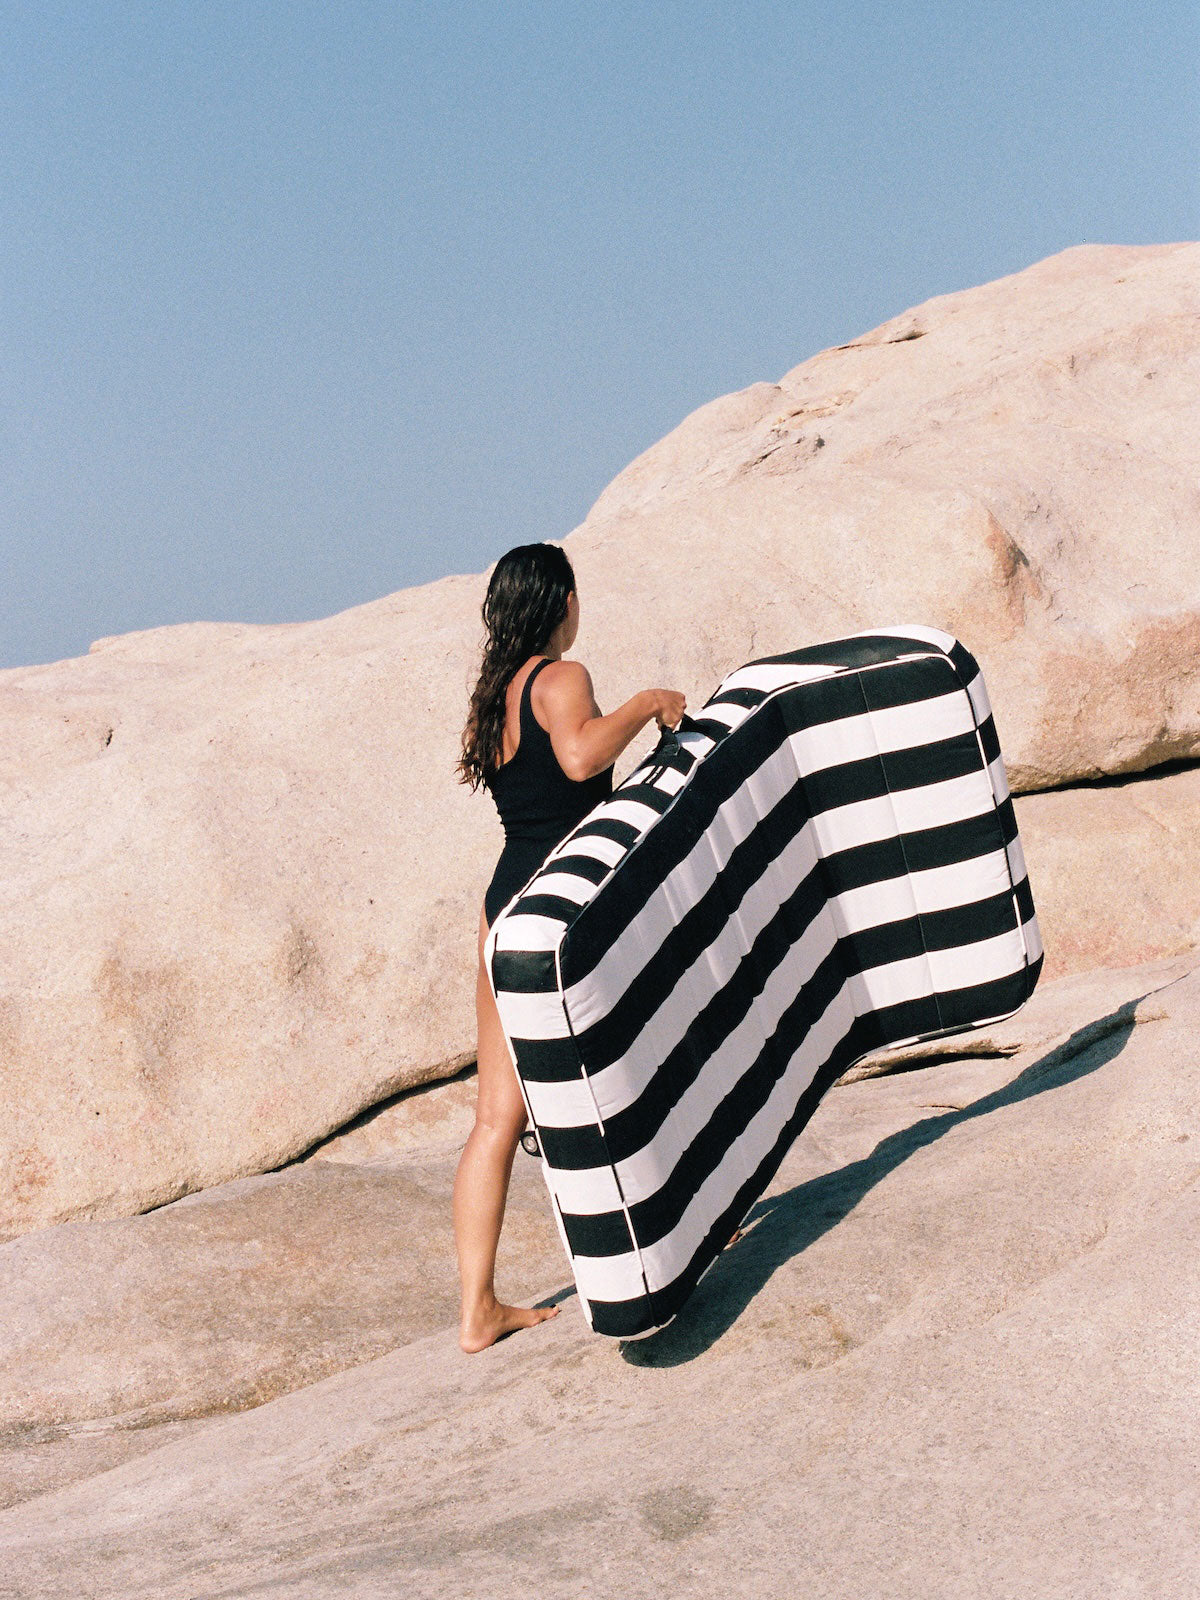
[[956, 1353]]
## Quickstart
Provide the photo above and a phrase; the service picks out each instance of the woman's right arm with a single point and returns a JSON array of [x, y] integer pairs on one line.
[[584, 740]]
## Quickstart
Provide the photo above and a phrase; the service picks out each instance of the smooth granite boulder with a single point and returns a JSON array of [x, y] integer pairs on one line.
[[241, 885]]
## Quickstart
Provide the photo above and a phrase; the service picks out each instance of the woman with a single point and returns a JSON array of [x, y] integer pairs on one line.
[[536, 738]]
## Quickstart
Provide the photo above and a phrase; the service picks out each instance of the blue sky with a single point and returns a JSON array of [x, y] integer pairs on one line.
[[302, 304]]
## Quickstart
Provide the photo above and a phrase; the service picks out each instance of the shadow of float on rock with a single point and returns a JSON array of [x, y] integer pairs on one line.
[[782, 1226]]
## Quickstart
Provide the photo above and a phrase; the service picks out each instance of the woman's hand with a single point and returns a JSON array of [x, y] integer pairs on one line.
[[669, 706], [584, 740]]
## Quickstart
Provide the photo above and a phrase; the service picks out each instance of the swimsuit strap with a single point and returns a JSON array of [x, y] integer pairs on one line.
[[527, 703]]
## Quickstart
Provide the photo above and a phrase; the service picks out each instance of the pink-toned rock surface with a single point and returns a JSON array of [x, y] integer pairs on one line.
[[1115, 868], [1014, 462], [955, 1354], [241, 885]]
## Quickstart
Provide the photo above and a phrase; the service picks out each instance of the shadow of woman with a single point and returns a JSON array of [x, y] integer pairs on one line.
[[781, 1226]]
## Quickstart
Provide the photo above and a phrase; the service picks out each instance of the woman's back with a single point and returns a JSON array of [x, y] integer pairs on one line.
[[536, 799]]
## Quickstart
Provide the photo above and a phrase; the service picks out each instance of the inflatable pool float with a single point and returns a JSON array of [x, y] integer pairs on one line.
[[823, 862]]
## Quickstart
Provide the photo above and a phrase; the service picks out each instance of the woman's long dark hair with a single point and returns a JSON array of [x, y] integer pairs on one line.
[[526, 600]]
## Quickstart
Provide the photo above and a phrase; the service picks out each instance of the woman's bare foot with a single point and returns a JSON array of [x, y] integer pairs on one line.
[[494, 1320]]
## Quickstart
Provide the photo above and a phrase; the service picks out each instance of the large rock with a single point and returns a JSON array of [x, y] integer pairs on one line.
[[962, 1331], [223, 1300], [1115, 868], [241, 885], [1014, 463]]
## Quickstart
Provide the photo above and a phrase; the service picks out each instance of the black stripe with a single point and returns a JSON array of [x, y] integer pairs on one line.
[[555, 906], [1007, 819], [645, 794], [930, 930], [965, 663], [1024, 898], [872, 777], [622, 833], [712, 729], [587, 867], [962, 1007], [946, 844], [737, 697], [927, 678], [571, 1149], [547, 1060], [524, 971], [987, 734], [605, 1233]]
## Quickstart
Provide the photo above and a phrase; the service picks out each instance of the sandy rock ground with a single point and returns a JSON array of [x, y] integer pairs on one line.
[[956, 1353]]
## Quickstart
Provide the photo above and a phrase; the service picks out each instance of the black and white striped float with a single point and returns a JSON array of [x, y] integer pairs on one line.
[[821, 863]]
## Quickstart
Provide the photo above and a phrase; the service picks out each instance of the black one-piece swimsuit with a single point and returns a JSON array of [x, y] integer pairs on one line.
[[538, 805]]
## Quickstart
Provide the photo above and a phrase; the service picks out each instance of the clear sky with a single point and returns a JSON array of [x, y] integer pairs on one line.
[[304, 303]]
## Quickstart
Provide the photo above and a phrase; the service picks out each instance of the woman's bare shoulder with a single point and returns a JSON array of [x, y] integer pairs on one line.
[[565, 672], [564, 685]]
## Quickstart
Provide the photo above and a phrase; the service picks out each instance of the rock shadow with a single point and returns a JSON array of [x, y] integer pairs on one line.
[[781, 1226]]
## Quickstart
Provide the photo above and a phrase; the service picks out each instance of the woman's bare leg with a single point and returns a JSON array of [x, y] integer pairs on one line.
[[481, 1183]]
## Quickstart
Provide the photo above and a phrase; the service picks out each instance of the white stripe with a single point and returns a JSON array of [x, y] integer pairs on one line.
[[562, 1105], [942, 641], [634, 812], [609, 1277], [730, 716], [586, 1191], [667, 781], [768, 676], [961, 883], [978, 695], [869, 733], [533, 1016], [999, 779], [524, 932], [938, 970], [1016, 860], [596, 847], [566, 885], [907, 811]]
